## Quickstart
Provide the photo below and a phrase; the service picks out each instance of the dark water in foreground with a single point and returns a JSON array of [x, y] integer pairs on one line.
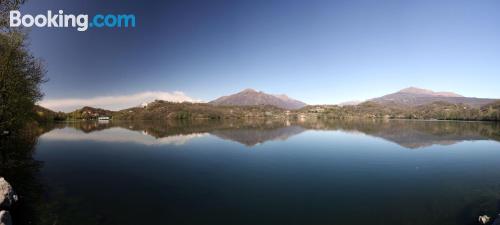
[[260, 172]]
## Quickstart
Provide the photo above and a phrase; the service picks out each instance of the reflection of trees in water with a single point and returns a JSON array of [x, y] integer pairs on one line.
[[37, 204], [177, 127], [407, 133], [86, 127], [21, 170], [247, 132], [414, 134], [251, 137]]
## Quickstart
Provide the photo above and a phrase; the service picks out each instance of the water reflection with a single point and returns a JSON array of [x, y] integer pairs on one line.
[[120, 135], [415, 134], [409, 134], [314, 172], [254, 136], [18, 166]]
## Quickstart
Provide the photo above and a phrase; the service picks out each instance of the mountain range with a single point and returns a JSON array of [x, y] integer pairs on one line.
[[408, 102], [408, 97], [413, 96]]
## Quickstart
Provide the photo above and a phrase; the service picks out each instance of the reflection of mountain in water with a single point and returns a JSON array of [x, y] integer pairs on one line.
[[415, 134], [409, 134], [251, 137], [416, 137], [247, 132]]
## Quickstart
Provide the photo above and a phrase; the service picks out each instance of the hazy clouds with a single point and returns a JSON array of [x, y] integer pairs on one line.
[[115, 102]]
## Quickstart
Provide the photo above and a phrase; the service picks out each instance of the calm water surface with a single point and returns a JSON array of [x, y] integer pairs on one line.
[[267, 172]]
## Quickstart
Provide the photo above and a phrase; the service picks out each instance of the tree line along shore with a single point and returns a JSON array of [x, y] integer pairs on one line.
[[163, 110]]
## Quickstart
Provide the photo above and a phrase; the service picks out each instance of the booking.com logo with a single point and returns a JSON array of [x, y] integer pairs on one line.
[[80, 22]]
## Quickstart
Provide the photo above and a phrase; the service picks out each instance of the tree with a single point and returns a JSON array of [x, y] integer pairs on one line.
[[5, 7], [21, 74]]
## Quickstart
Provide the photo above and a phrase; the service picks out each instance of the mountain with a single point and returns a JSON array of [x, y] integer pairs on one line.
[[420, 91], [253, 97], [413, 96]]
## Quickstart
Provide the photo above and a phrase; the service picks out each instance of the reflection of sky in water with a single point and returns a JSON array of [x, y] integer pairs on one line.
[[117, 134]]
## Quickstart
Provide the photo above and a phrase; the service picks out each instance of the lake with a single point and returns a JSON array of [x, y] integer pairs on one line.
[[258, 172]]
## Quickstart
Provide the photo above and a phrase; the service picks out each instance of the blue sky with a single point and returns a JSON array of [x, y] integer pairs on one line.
[[316, 51]]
